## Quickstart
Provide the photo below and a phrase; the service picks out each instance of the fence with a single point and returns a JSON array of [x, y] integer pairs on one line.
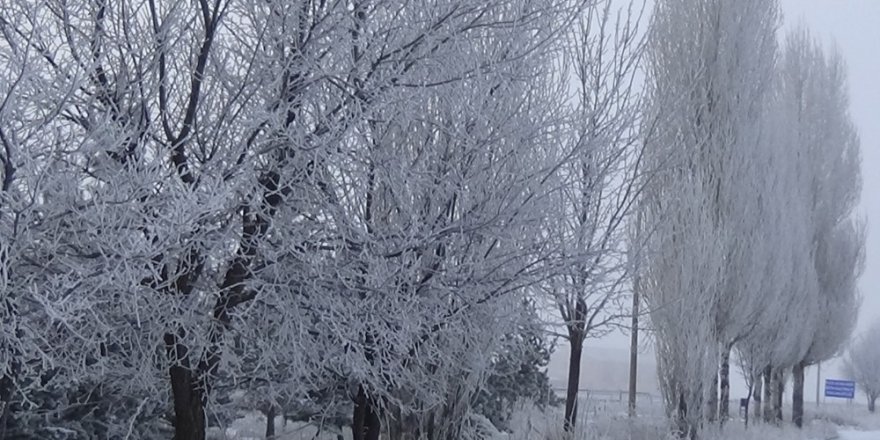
[[592, 402]]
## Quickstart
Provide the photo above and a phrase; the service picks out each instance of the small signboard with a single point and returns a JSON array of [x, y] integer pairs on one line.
[[845, 389]]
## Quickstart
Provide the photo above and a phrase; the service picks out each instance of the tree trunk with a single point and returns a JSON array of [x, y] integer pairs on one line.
[[712, 402], [779, 391], [374, 427], [186, 393], [871, 401], [431, 425], [684, 429], [358, 419], [724, 407], [365, 422], [634, 349], [5, 405], [818, 383], [748, 400], [270, 422], [756, 396], [768, 395], [189, 411], [574, 378], [797, 395], [8, 408], [395, 426]]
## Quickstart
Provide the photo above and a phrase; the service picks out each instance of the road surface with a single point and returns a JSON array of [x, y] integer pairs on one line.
[[859, 435]]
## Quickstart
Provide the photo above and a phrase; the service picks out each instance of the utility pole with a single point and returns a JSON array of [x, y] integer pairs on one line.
[[634, 335], [634, 351]]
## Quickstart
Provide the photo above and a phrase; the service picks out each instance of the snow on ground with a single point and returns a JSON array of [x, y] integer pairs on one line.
[[252, 426], [859, 435], [607, 420], [847, 417]]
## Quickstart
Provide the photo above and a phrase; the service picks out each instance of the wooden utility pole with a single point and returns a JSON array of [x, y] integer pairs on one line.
[[634, 328], [634, 350], [634, 344]]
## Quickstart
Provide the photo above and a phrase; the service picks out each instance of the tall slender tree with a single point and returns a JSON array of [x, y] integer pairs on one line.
[[815, 85], [710, 67]]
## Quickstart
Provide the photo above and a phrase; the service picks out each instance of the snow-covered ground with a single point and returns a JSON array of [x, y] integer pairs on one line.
[[607, 420], [859, 435], [252, 426]]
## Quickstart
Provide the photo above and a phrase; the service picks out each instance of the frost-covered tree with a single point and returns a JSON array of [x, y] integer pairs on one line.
[[811, 264], [518, 372], [745, 44], [710, 67], [49, 360], [783, 270], [862, 364], [817, 103], [216, 188], [841, 261], [598, 184], [678, 276], [437, 200]]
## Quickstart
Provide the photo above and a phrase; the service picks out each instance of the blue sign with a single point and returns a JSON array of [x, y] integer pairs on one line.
[[845, 389]]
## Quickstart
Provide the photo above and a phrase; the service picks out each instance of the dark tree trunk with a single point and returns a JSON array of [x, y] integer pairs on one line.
[[724, 402], [6, 387], [779, 391], [768, 394], [365, 422], [189, 411], [712, 403], [634, 349], [186, 393], [757, 397], [396, 426], [685, 429], [374, 424], [871, 401], [8, 407], [682, 416], [574, 378], [431, 426], [358, 419], [748, 400], [797, 395], [270, 422]]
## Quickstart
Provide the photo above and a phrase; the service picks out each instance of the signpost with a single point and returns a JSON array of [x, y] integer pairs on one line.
[[844, 389]]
